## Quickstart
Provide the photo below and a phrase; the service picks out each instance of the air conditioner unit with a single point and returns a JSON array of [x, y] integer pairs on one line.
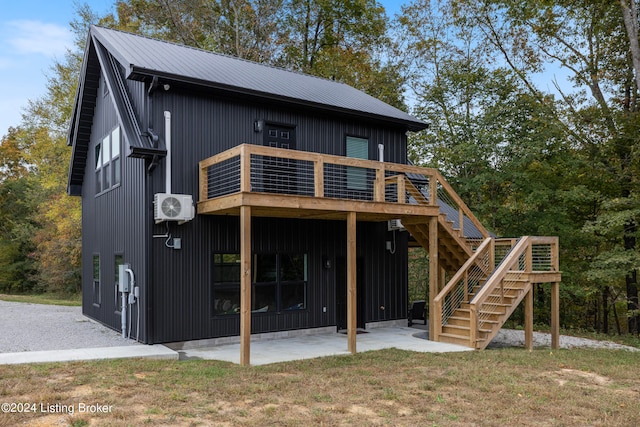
[[173, 207], [395, 224]]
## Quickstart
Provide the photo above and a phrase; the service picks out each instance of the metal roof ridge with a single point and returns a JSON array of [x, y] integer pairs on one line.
[[225, 55]]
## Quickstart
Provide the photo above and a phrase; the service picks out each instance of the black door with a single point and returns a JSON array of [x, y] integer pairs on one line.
[[280, 174], [341, 293]]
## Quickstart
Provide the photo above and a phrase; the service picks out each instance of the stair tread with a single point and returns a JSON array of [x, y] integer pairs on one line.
[[464, 328], [460, 337], [444, 334]]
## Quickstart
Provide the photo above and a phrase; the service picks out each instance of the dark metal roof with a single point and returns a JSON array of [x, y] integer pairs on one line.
[[143, 57]]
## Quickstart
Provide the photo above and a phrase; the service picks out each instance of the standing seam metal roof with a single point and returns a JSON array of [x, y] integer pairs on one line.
[[142, 56]]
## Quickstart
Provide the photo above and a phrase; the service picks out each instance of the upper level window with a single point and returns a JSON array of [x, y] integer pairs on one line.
[[359, 149], [108, 167]]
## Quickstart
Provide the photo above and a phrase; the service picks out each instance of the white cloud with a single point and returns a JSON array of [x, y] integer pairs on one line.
[[36, 37]]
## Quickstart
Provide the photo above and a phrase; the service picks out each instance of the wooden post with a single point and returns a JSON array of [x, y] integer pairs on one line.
[[352, 317], [473, 326], [245, 285], [245, 168], [528, 319], [433, 191], [318, 177], [402, 189], [555, 315], [204, 184], [379, 187], [433, 272]]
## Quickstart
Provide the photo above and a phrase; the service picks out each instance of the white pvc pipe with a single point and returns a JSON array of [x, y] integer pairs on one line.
[[167, 142], [381, 152], [123, 315]]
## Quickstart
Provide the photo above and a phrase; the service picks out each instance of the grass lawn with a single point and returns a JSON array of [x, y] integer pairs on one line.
[[44, 299], [507, 387]]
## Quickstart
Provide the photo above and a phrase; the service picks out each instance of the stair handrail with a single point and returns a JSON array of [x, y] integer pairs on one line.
[[487, 244], [462, 206], [501, 271], [495, 280]]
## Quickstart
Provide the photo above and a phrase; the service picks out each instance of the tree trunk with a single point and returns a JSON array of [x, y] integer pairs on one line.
[[605, 310], [615, 315], [630, 16], [632, 303]]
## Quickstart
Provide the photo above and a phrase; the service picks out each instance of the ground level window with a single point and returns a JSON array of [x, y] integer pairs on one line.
[[279, 283], [226, 284]]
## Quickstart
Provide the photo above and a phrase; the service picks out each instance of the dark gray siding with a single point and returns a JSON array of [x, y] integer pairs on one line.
[[182, 279], [114, 222], [176, 285]]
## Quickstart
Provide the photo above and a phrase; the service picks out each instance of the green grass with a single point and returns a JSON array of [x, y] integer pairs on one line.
[[390, 387], [75, 300]]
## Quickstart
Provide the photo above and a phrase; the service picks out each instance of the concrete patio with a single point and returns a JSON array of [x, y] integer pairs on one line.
[[266, 351]]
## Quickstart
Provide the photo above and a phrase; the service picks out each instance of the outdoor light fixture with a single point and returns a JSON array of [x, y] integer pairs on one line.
[[258, 125], [326, 262]]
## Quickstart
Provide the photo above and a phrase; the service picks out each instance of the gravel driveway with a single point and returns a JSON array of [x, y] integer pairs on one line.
[[33, 327]]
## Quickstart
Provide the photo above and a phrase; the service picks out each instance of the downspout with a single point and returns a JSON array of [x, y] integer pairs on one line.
[[167, 142]]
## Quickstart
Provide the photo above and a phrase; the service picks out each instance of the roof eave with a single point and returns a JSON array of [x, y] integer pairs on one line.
[[142, 74]]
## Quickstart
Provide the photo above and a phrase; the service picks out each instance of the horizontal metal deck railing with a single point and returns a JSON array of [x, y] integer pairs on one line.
[[250, 168]]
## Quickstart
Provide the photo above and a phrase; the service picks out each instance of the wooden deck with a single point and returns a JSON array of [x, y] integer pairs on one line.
[[285, 183], [252, 180]]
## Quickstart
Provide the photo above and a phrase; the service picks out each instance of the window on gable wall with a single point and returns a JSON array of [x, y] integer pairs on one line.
[[108, 162], [96, 297]]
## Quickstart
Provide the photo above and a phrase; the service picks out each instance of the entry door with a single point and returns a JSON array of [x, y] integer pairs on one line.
[[341, 293], [280, 174]]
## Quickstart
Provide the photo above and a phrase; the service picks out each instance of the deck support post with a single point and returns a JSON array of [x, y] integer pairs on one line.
[[245, 285], [528, 319], [433, 274], [352, 318], [555, 315]]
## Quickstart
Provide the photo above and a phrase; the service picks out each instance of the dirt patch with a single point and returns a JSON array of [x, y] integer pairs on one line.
[[563, 376]]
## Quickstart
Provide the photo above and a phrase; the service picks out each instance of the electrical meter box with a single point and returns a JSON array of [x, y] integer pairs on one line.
[[124, 284]]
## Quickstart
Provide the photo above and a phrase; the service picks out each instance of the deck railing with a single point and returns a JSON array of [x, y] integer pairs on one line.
[[487, 270], [259, 169], [531, 255]]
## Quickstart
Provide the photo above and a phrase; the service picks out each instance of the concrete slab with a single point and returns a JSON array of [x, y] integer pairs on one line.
[[263, 351], [97, 353], [330, 344]]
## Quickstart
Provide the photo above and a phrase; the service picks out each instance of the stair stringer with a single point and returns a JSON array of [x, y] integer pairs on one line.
[[484, 338], [453, 248], [501, 294]]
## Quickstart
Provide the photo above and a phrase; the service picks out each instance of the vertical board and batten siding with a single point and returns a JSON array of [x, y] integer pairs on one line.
[[182, 279], [178, 289], [113, 223]]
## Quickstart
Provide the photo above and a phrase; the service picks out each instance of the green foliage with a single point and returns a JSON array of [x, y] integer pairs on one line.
[[340, 40], [16, 227]]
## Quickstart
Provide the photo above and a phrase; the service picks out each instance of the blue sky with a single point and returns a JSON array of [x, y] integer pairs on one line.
[[33, 34]]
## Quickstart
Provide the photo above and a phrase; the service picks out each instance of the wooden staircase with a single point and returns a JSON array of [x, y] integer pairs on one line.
[[490, 281], [502, 303]]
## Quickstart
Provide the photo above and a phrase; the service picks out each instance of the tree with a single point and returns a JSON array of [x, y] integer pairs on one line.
[[507, 147], [16, 226], [339, 40], [588, 38]]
